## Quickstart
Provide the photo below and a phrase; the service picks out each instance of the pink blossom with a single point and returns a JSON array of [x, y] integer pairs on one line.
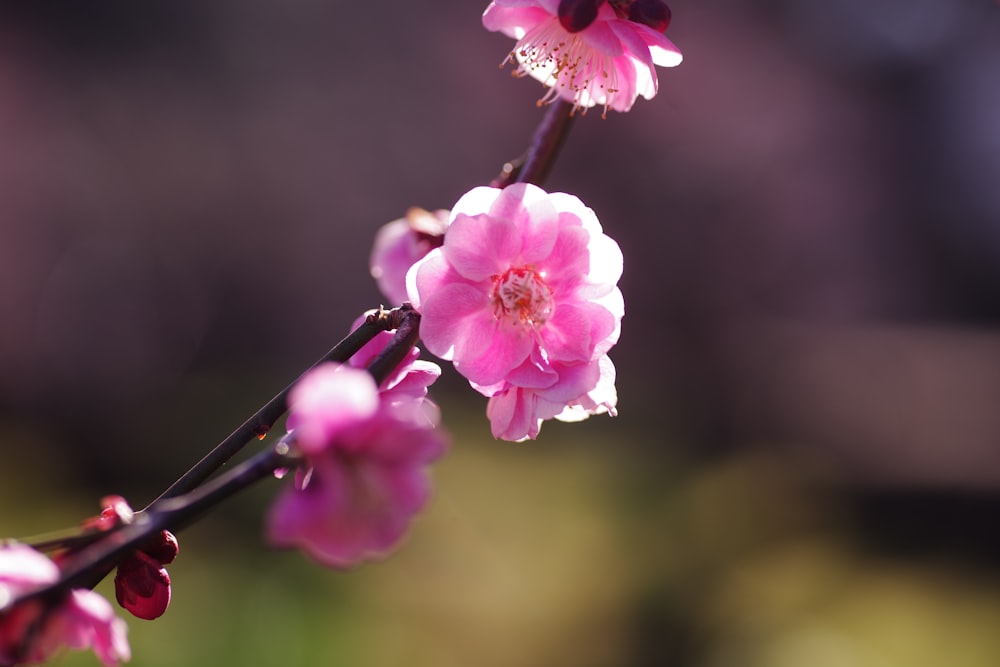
[[410, 379], [401, 243], [588, 52], [522, 273], [82, 619], [523, 299], [365, 473], [579, 390]]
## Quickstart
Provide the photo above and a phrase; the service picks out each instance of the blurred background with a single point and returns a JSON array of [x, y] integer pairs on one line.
[[806, 465]]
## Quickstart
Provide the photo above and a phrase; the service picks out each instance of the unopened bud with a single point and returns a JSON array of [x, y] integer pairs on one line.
[[576, 15], [163, 549], [142, 586]]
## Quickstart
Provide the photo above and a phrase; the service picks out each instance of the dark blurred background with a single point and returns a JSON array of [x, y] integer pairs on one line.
[[806, 465]]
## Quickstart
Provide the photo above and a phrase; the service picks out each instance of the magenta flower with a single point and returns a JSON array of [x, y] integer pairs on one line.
[[401, 243], [365, 473], [409, 380], [522, 273], [82, 619], [573, 392], [523, 299], [588, 52]]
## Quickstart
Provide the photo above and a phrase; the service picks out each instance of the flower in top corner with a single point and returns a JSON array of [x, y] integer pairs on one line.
[[588, 52]]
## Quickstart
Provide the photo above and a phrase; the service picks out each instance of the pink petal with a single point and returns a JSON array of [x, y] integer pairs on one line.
[[511, 415], [491, 349], [574, 331], [449, 314], [328, 400], [476, 201], [600, 36], [481, 246], [568, 261], [427, 276], [533, 374]]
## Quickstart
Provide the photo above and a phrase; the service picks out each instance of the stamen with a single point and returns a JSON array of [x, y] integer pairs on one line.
[[521, 297]]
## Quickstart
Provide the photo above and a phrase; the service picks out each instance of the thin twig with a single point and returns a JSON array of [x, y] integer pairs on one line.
[[88, 566], [261, 421], [546, 142], [407, 335]]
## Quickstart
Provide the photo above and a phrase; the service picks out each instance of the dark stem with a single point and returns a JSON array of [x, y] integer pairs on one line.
[[546, 142], [88, 566], [407, 335], [261, 421]]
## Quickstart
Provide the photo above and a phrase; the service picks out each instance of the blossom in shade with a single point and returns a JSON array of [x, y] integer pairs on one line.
[[31, 632], [365, 467], [588, 52], [399, 244], [523, 299], [409, 380]]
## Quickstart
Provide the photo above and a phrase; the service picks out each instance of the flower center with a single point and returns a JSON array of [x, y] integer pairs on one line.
[[521, 296], [564, 61]]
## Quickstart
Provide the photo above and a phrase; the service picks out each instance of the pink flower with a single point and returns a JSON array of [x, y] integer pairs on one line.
[[365, 476], [409, 380], [588, 52], [83, 619], [577, 391], [401, 243], [523, 298], [522, 273]]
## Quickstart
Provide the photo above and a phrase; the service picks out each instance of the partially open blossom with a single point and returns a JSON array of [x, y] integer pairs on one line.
[[588, 52], [32, 631], [409, 380], [401, 243], [575, 392], [365, 472], [523, 299]]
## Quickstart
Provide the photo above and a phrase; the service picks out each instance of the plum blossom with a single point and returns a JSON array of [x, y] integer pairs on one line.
[[516, 412], [588, 52], [31, 632], [401, 243], [364, 476], [409, 380], [523, 299]]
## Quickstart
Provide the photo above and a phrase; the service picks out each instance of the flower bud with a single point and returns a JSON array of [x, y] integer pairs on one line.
[[576, 15], [142, 586]]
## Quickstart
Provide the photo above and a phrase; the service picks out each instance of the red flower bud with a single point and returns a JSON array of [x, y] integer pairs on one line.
[[575, 15], [142, 586]]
